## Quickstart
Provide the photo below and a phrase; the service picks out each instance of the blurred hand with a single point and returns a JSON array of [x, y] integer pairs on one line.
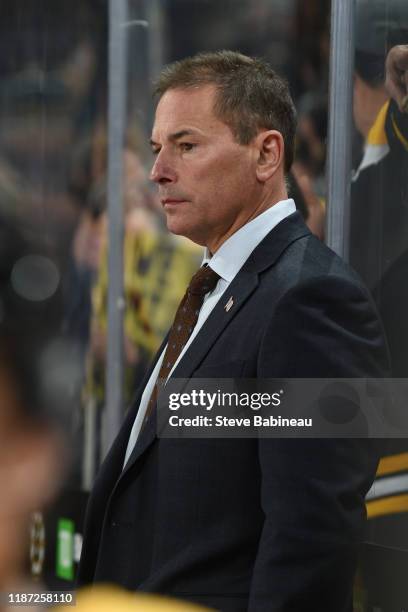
[[132, 353], [396, 75], [99, 346], [98, 342]]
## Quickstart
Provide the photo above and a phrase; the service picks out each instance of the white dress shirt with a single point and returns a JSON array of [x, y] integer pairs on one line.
[[227, 262]]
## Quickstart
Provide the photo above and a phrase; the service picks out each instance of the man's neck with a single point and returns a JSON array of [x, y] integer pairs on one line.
[[214, 244]]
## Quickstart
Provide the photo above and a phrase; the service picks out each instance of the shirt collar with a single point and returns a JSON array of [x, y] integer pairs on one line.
[[234, 252]]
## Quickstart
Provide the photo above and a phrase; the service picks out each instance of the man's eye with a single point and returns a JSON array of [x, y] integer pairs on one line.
[[186, 146], [155, 151]]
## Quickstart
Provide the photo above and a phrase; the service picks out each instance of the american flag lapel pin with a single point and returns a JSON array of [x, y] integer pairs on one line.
[[229, 304]]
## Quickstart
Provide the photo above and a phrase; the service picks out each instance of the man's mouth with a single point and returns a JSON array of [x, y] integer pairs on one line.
[[171, 201]]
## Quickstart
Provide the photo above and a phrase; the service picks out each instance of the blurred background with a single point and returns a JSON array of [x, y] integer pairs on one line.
[[75, 119]]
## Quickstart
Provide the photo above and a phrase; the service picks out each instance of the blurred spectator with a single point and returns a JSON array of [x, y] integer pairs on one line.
[[379, 221], [311, 144], [308, 179], [88, 188], [307, 202], [308, 69], [88, 192], [379, 197], [11, 191]]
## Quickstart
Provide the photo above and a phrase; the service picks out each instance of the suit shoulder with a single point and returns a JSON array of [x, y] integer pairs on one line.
[[308, 260]]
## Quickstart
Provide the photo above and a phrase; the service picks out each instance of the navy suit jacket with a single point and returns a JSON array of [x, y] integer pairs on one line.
[[250, 524]]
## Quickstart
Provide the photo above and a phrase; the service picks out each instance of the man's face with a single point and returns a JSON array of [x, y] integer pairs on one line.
[[207, 180]]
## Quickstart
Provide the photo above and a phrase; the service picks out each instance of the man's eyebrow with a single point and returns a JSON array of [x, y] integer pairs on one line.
[[175, 136], [181, 134]]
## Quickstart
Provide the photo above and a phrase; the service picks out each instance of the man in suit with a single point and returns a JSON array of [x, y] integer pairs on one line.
[[240, 524]]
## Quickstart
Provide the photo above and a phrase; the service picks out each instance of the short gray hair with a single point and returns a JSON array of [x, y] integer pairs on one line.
[[250, 96]]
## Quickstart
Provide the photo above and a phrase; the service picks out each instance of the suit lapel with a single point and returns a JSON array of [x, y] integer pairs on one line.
[[146, 437], [243, 285]]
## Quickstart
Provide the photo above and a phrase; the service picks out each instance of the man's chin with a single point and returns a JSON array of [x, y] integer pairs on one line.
[[177, 227]]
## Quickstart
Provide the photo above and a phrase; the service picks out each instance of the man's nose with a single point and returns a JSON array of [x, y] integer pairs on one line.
[[162, 171]]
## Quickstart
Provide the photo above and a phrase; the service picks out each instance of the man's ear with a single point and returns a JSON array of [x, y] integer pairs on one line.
[[271, 154]]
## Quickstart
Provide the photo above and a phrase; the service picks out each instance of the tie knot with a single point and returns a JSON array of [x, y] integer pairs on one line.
[[203, 281]]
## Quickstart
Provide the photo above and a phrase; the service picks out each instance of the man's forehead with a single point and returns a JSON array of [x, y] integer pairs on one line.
[[186, 110]]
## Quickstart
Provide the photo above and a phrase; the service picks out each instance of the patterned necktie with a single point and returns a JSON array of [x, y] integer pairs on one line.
[[203, 281]]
